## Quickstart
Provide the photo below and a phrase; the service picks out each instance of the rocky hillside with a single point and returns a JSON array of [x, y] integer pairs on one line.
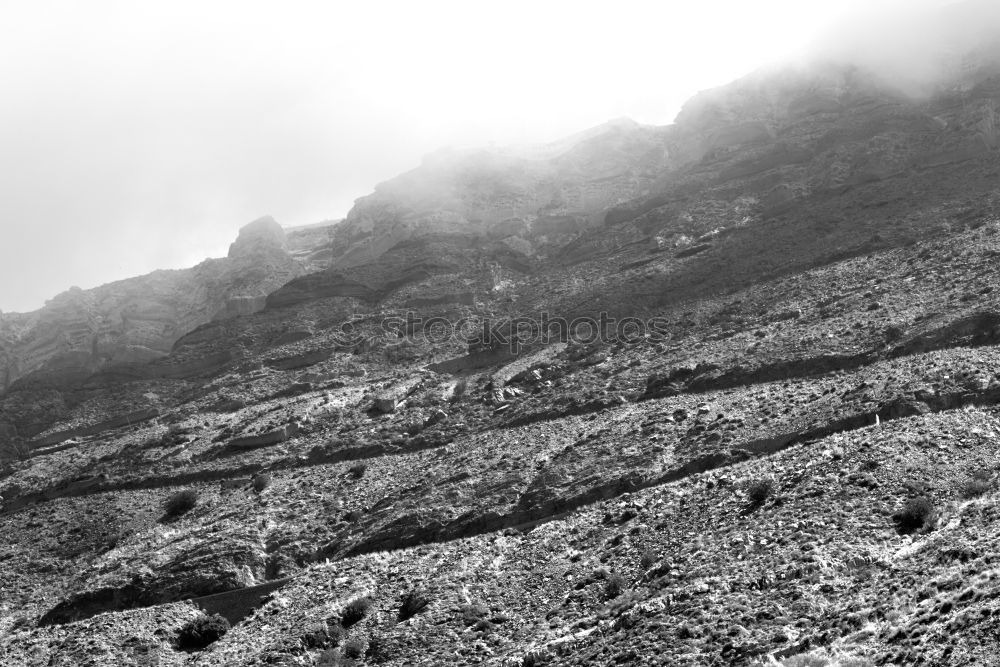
[[789, 455]]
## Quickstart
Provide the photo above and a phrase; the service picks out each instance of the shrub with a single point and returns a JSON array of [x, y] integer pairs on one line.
[[894, 333], [978, 483], [355, 611], [357, 471], [323, 634], [647, 559], [354, 648], [916, 514], [473, 613], [333, 657], [202, 631], [180, 503], [613, 587], [759, 489], [536, 658], [261, 481], [413, 602], [377, 649]]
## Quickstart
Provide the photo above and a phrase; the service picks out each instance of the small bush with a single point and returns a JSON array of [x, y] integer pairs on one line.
[[202, 631], [323, 634], [413, 602], [334, 657], [355, 611], [261, 481], [894, 333], [613, 587], [917, 514], [536, 658], [473, 613], [357, 471], [647, 559], [354, 648], [377, 649], [180, 503], [759, 490], [978, 483]]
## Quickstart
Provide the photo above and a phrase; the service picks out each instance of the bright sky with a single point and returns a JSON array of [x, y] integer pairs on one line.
[[138, 135]]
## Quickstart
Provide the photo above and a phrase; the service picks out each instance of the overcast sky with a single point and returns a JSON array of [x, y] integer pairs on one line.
[[140, 135]]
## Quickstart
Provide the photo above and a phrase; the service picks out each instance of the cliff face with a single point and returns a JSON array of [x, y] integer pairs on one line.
[[797, 147], [540, 195], [82, 331], [827, 157]]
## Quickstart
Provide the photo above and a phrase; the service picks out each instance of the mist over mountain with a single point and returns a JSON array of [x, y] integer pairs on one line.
[[916, 48], [719, 391]]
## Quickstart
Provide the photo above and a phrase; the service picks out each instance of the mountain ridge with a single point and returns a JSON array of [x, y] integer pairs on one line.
[[724, 392]]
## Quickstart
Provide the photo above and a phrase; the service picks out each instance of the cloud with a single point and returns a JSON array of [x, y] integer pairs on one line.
[[914, 46]]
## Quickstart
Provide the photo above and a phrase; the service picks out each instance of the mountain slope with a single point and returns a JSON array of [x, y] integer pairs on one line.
[[788, 456]]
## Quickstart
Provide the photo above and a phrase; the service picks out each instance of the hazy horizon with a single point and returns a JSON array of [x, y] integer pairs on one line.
[[143, 136]]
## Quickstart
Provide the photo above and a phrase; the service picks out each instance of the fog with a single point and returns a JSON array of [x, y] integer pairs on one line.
[[914, 48], [138, 136]]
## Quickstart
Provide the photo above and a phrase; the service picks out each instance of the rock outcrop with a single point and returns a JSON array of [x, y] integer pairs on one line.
[[534, 197], [138, 320]]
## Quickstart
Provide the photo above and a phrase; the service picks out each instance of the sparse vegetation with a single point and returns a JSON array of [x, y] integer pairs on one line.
[[376, 651], [536, 658], [357, 471], [180, 503], [471, 614], [261, 481], [976, 484], [413, 602], [202, 631], [759, 490], [323, 634], [917, 514], [648, 559], [335, 657], [354, 648], [613, 586], [355, 611]]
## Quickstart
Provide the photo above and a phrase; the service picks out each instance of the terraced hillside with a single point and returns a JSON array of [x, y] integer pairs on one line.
[[788, 456]]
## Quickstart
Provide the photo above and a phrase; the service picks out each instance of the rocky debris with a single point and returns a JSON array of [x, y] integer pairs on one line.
[[388, 399], [235, 483], [210, 566], [128, 419], [265, 439], [304, 360]]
